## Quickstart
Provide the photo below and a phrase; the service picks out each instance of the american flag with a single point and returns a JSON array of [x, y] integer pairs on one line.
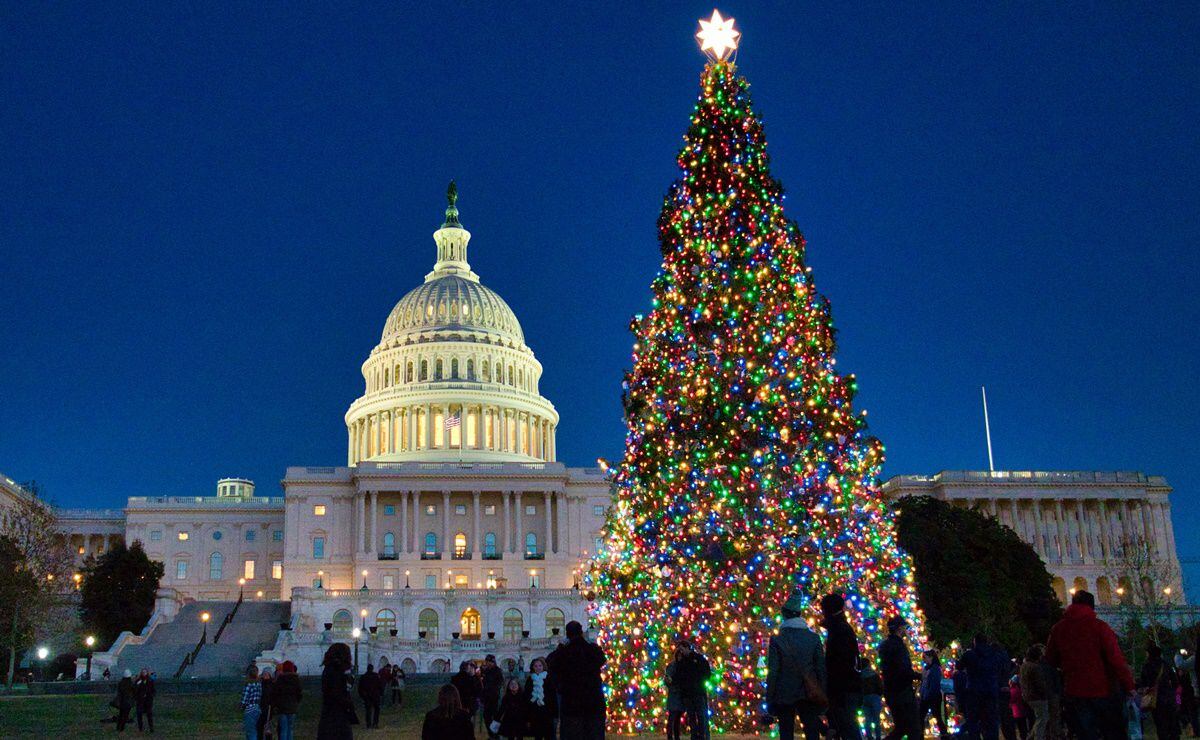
[[452, 421]]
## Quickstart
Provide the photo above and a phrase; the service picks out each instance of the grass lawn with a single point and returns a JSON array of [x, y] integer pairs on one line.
[[71, 717], [187, 715]]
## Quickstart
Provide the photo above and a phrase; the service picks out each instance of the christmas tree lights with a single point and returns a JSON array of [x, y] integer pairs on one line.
[[747, 473]]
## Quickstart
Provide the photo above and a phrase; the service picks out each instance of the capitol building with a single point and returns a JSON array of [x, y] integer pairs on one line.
[[452, 531]]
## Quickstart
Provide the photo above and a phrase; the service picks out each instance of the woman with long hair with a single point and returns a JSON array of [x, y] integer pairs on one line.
[[931, 690], [337, 710], [541, 700], [448, 720]]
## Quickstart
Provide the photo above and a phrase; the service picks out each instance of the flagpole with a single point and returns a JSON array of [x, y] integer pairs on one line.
[[987, 431]]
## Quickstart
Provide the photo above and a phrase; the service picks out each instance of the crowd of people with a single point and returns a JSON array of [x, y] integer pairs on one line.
[[1078, 686]]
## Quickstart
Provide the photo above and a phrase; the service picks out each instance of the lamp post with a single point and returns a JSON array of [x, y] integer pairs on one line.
[[406, 574], [356, 633], [320, 579], [363, 614], [364, 586], [532, 578], [78, 578], [241, 588], [90, 641], [43, 652], [204, 617]]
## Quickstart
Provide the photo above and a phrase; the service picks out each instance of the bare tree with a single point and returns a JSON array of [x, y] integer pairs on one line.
[[32, 525], [1147, 584]]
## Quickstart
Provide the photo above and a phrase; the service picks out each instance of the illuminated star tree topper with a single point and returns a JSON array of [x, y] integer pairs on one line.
[[717, 37]]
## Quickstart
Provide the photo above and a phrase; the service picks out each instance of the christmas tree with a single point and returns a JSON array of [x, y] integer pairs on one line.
[[747, 475]]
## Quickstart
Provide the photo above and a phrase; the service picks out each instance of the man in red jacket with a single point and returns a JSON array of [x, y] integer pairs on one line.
[[1096, 677]]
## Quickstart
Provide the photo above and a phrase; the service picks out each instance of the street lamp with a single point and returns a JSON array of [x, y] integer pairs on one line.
[[356, 633], [320, 579], [78, 578], [259, 594], [363, 614], [90, 641], [241, 588], [364, 588], [43, 652], [204, 617], [406, 578], [532, 578]]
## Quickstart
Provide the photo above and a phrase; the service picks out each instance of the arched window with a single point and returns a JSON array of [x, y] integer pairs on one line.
[[1079, 585], [216, 566], [430, 543], [343, 623], [470, 369], [510, 375], [514, 624], [396, 374], [385, 620], [460, 544], [555, 620], [454, 368], [437, 369], [471, 624], [1104, 593], [520, 378], [409, 666], [387, 374], [531, 543], [389, 544], [489, 544], [1060, 589], [485, 369], [427, 622], [424, 369], [408, 374]]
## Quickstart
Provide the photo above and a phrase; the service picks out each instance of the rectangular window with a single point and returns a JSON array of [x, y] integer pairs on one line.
[[248, 570], [461, 581], [276, 569], [318, 548], [490, 510], [597, 511], [155, 535], [460, 508], [277, 535], [180, 570], [430, 510], [250, 535], [535, 580], [389, 582], [389, 510], [530, 510], [183, 536], [430, 580], [319, 510]]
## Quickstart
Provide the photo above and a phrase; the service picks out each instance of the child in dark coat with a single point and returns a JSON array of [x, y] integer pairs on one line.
[[514, 712]]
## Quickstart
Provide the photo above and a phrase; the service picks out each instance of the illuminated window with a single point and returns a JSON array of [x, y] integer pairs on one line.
[[248, 570], [490, 510], [319, 510], [461, 580], [276, 569], [460, 544], [183, 536], [81, 549], [430, 510]]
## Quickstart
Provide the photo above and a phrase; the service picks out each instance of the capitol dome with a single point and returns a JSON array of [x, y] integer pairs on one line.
[[451, 377]]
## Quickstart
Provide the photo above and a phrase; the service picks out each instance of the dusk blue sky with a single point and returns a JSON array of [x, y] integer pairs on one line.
[[207, 211]]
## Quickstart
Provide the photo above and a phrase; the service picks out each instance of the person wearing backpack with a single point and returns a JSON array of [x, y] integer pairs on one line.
[[796, 674]]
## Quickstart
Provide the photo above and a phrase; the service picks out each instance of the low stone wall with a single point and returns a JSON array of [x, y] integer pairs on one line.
[[231, 686]]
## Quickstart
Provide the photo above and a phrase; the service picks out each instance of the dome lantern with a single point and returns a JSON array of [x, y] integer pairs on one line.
[[451, 242]]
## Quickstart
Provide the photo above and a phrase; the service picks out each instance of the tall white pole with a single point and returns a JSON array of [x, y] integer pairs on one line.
[[987, 430]]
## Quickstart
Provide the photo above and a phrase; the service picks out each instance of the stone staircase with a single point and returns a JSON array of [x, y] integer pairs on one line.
[[253, 629]]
